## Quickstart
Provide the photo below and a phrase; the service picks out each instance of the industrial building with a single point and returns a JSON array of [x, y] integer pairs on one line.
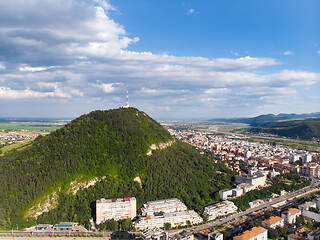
[[164, 206], [117, 209], [220, 209]]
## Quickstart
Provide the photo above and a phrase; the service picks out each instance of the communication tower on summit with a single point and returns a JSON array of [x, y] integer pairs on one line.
[[127, 104]]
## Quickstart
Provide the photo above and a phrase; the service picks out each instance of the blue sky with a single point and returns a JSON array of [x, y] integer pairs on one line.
[[180, 59]]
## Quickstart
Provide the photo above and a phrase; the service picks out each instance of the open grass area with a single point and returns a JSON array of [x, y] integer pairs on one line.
[[17, 146], [30, 126]]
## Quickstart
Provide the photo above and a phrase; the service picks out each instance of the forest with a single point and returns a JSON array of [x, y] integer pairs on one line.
[[110, 145]]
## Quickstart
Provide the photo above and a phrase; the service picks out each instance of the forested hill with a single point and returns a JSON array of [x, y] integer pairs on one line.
[[115, 153]]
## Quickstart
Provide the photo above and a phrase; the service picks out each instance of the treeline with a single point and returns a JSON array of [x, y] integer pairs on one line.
[[110, 144]]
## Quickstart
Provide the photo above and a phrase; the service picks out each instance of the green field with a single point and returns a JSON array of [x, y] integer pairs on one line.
[[30, 126]]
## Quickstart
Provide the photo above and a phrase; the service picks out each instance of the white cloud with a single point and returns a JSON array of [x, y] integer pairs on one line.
[[191, 11], [288, 53], [2, 67], [319, 52], [26, 68], [217, 90]]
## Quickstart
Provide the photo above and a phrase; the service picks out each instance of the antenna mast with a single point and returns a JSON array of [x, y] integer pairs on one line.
[[127, 104]]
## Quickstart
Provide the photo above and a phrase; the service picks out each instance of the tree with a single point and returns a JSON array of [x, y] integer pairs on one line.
[[112, 225], [126, 225], [167, 226]]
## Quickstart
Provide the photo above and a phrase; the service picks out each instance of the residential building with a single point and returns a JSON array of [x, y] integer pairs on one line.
[[290, 215], [164, 206], [215, 236], [117, 209], [314, 235], [154, 234], [255, 233], [296, 237], [219, 209], [175, 219], [273, 222]]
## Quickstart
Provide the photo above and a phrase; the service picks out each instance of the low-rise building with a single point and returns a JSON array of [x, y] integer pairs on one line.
[[296, 237], [307, 206], [225, 193], [256, 203], [273, 222], [219, 209], [175, 219], [314, 235], [255, 233], [291, 215]]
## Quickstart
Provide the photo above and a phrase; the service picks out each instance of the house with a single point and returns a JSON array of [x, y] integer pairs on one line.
[[296, 237], [291, 215], [302, 231], [255, 233], [273, 222]]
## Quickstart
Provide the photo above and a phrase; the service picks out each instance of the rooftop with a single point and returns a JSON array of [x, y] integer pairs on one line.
[[272, 220], [250, 233]]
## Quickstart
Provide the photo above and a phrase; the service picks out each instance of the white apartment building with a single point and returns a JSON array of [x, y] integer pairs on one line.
[[255, 233], [220, 209], [291, 215], [225, 193], [273, 222], [165, 206], [119, 208], [175, 219]]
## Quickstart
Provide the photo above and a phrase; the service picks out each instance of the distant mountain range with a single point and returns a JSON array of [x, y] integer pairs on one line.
[[297, 126]]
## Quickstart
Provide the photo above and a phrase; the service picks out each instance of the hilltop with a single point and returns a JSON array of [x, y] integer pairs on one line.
[[114, 153]]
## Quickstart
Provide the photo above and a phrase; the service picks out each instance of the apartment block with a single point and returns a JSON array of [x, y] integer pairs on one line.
[[220, 209], [175, 219], [119, 208], [165, 206], [225, 193]]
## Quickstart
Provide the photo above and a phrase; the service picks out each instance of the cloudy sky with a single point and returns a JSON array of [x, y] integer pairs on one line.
[[181, 59]]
